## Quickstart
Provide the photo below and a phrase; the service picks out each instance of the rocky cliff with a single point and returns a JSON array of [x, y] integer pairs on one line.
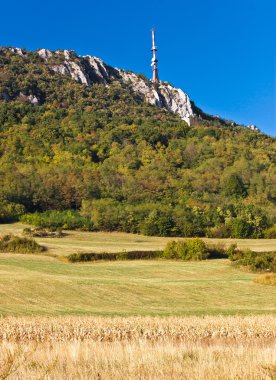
[[88, 70]]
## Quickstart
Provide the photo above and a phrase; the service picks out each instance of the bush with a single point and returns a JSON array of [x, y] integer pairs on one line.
[[17, 244], [158, 223], [231, 250], [217, 251], [132, 255], [171, 251], [67, 220], [138, 255], [193, 249], [86, 257], [10, 212], [240, 229], [256, 261], [27, 232], [221, 232], [270, 233]]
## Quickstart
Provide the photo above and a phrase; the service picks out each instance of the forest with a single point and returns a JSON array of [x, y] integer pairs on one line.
[[100, 158]]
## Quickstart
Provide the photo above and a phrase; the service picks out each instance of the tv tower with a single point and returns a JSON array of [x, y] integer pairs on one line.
[[154, 59]]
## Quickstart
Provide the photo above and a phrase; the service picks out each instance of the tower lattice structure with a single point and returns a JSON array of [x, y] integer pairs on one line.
[[154, 60]]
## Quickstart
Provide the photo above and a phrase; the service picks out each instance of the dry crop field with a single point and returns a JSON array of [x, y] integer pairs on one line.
[[138, 348]]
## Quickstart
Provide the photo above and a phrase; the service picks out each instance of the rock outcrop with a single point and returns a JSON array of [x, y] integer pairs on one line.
[[88, 70]]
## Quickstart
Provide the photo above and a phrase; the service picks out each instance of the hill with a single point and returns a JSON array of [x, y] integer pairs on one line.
[[78, 134]]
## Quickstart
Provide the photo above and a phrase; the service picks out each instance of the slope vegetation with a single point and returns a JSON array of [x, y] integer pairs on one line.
[[124, 164]]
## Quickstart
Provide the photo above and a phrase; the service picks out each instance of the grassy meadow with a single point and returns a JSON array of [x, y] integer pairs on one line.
[[35, 285], [44, 285], [78, 241]]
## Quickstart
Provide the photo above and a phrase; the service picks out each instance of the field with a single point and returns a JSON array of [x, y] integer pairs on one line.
[[35, 285], [76, 241], [132, 319], [138, 348]]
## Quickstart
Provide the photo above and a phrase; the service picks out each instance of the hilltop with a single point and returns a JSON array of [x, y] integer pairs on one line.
[[88, 71], [128, 154]]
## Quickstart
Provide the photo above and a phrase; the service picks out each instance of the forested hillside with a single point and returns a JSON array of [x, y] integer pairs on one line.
[[124, 164]]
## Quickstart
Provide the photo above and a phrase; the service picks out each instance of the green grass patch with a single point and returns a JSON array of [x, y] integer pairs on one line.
[[39, 285]]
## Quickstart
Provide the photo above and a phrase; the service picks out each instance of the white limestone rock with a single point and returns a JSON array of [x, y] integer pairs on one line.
[[61, 69], [141, 87], [78, 74], [17, 51], [67, 54], [177, 101], [34, 100], [45, 54], [88, 70], [162, 95], [253, 128], [98, 66]]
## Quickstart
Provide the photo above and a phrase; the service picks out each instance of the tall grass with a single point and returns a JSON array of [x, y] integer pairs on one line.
[[138, 348], [44, 329]]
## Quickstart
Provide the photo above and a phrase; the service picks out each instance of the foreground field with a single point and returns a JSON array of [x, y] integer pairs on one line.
[[138, 348], [35, 285], [77, 241]]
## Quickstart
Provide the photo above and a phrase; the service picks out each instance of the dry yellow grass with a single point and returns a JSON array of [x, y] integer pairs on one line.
[[138, 360], [266, 279], [138, 348], [43, 329]]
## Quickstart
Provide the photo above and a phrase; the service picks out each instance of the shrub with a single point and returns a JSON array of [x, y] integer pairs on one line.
[[240, 228], [158, 223], [27, 231], [86, 257], [132, 255], [217, 251], [170, 251], [10, 212], [222, 231], [270, 233], [16, 244], [256, 261], [230, 251], [67, 220], [138, 255], [193, 249]]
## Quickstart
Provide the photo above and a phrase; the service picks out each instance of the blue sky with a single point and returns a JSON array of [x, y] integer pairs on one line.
[[221, 52]]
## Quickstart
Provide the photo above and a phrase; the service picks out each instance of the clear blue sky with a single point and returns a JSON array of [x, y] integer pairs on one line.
[[222, 52]]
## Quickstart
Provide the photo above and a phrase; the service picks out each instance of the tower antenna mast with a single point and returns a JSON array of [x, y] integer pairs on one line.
[[154, 59]]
